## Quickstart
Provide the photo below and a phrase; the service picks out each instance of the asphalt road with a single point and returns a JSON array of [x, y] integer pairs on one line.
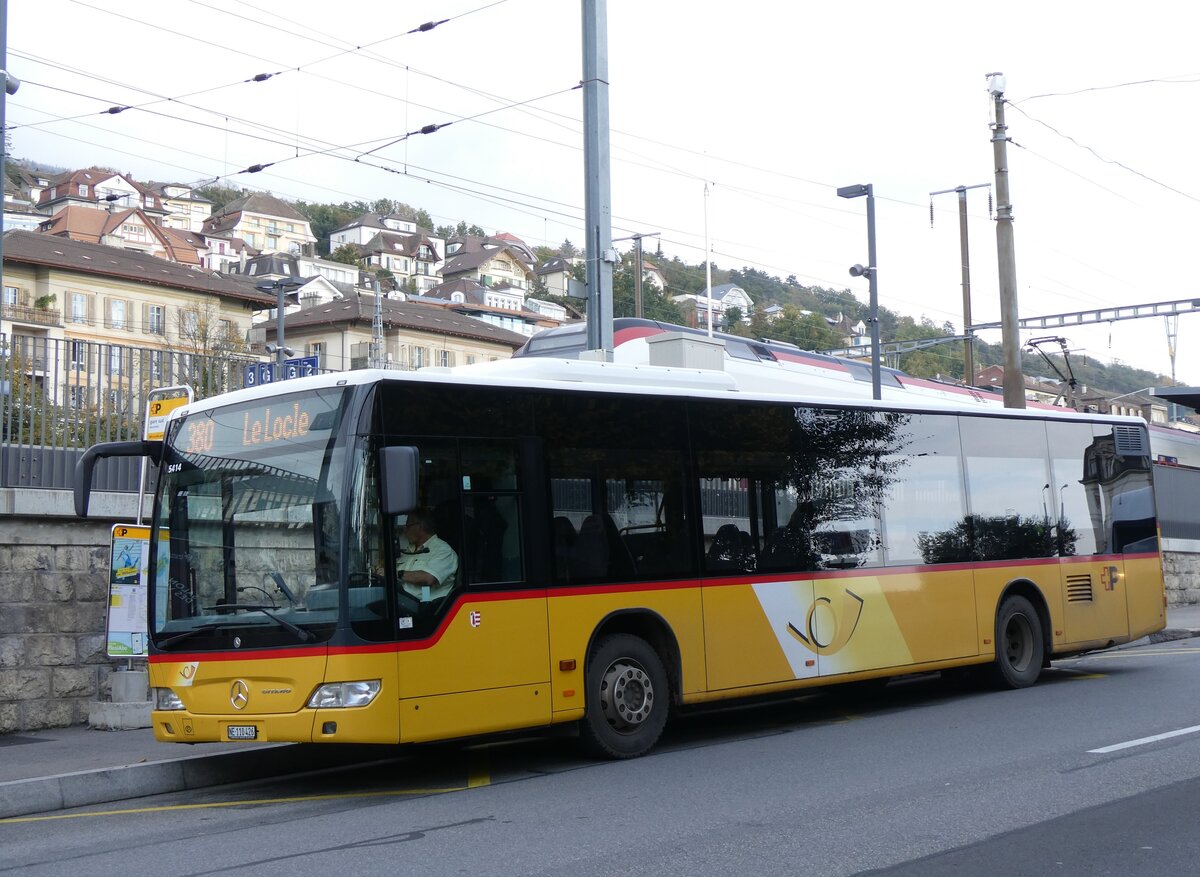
[[1073, 776]]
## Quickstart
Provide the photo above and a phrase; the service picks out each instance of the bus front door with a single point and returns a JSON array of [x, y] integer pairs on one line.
[[485, 669]]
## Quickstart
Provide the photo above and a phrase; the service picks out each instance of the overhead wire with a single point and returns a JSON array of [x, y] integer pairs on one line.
[[1102, 158], [1078, 91], [732, 188]]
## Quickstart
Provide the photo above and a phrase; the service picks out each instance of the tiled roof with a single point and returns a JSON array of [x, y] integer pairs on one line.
[[31, 248], [81, 223], [262, 203], [431, 318]]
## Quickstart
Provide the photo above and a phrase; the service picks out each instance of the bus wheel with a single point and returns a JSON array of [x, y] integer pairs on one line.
[[627, 697], [1018, 644]]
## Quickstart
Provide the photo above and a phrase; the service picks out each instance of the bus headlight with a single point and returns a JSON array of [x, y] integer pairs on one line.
[[166, 699], [344, 694]]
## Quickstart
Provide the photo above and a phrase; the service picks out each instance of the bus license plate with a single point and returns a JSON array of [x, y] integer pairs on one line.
[[243, 732]]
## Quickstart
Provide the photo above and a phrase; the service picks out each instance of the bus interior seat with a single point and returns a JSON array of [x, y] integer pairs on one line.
[[620, 560], [731, 548], [784, 549], [447, 516], [589, 555], [484, 540], [564, 542]]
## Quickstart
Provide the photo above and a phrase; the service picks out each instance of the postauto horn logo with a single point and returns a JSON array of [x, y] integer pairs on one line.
[[852, 606]]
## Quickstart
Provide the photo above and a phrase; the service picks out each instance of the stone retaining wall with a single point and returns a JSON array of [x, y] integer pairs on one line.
[[53, 593], [1182, 575], [53, 599]]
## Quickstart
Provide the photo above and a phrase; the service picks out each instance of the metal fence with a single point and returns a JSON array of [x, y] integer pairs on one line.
[[60, 396]]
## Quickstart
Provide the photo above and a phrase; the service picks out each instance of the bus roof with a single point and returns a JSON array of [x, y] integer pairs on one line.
[[575, 375]]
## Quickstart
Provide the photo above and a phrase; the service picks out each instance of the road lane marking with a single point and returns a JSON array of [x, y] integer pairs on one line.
[[298, 799], [1142, 741]]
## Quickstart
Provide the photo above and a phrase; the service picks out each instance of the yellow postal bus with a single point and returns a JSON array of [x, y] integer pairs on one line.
[[629, 540]]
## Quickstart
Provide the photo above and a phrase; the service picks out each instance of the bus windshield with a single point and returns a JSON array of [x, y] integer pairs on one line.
[[247, 524]]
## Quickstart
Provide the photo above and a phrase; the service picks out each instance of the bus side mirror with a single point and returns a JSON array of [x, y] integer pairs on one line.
[[87, 463], [399, 467]]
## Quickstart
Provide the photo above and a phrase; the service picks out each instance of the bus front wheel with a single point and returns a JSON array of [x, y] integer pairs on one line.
[[1019, 645], [627, 697]]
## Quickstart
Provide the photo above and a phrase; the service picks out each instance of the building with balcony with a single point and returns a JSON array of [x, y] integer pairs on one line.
[[265, 223], [96, 323]]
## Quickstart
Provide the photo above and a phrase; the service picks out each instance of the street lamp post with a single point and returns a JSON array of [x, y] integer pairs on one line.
[[281, 288], [870, 271], [1148, 390]]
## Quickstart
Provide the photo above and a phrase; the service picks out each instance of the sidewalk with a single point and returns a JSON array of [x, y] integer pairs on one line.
[[59, 768]]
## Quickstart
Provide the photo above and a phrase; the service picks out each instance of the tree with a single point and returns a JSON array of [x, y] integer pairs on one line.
[[220, 195], [424, 220], [655, 305], [943, 360], [207, 342], [567, 249], [999, 537], [808, 331], [346, 254], [325, 219]]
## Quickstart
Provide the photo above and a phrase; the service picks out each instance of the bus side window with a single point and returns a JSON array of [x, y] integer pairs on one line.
[[492, 538], [491, 525]]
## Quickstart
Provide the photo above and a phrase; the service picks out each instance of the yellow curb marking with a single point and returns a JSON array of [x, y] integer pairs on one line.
[[216, 804], [479, 775]]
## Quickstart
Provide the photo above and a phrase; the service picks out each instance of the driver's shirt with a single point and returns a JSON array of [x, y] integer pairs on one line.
[[435, 557]]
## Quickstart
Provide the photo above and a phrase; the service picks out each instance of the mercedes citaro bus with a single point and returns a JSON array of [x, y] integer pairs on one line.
[[631, 538]]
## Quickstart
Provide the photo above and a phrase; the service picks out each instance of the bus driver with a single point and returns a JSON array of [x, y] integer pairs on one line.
[[426, 566]]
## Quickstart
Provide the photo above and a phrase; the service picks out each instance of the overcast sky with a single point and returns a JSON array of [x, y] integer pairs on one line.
[[773, 104]]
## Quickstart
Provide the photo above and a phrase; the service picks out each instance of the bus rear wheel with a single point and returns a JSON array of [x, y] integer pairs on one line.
[[1019, 644], [627, 697]]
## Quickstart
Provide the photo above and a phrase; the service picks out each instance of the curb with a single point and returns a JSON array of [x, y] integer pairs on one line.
[[1173, 633], [84, 788]]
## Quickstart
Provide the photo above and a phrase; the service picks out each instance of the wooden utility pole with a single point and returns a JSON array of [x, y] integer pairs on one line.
[[1006, 255]]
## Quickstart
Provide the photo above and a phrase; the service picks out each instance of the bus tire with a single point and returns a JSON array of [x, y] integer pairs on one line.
[[1019, 644], [628, 697]]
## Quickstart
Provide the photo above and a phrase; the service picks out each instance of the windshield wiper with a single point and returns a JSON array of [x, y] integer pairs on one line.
[[180, 637], [304, 635]]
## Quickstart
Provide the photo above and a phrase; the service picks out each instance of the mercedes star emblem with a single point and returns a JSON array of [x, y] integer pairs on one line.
[[239, 695]]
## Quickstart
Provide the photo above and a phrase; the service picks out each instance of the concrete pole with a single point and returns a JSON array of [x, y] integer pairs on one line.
[[1006, 255], [597, 184]]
